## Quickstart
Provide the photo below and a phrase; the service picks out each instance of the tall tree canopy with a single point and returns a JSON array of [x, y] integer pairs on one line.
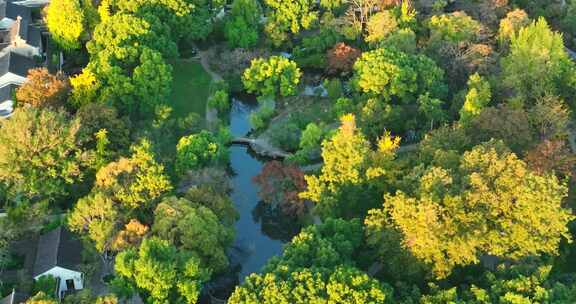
[[243, 26], [349, 163], [71, 22], [288, 17], [135, 79], [344, 284], [389, 73], [526, 283], [124, 30], [122, 189], [489, 204], [275, 76], [43, 89], [167, 274], [40, 153], [194, 228], [316, 267], [538, 64]]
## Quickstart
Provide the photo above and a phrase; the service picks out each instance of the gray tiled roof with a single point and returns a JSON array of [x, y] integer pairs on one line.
[[58, 247], [14, 298]]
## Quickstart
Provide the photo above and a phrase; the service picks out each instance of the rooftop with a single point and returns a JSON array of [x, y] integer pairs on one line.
[[60, 248]]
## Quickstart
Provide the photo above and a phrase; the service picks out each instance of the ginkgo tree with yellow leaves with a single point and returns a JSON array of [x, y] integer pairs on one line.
[[349, 164]]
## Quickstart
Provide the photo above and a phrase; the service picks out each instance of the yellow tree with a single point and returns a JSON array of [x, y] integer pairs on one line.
[[491, 204], [348, 165], [477, 98]]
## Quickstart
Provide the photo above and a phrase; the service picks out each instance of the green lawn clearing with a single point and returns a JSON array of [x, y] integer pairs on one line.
[[190, 88]]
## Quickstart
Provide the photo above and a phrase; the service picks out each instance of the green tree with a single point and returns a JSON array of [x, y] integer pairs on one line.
[[288, 17], [133, 78], [71, 22], [392, 74], [44, 284], [455, 28], [348, 164], [123, 30], [97, 217], [275, 76], [490, 204], [317, 266], [195, 229], [186, 19], [431, 108], [310, 142], [514, 284], [200, 150], [168, 275], [538, 65], [136, 181], [332, 243], [40, 154], [478, 97], [242, 29], [344, 284]]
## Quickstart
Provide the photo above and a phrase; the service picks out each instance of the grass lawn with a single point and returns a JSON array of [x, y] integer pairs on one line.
[[190, 88]]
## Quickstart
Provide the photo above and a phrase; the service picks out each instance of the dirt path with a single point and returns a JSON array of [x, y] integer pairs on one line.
[[205, 62], [211, 113]]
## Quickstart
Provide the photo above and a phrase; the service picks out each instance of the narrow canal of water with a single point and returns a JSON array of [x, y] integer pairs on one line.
[[253, 245]]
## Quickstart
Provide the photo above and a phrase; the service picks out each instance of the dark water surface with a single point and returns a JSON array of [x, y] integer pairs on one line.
[[253, 246]]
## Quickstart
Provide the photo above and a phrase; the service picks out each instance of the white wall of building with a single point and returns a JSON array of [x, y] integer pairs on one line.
[[65, 274]]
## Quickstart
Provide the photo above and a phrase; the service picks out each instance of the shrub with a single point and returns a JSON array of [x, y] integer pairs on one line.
[[286, 136], [334, 88], [220, 101], [45, 284], [200, 150], [343, 106], [260, 119]]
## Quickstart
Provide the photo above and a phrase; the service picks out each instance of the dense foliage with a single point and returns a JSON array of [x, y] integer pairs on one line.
[[200, 150], [41, 154], [423, 151], [242, 29], [276, 76], [71, 22], [159, 268], [43, 89]]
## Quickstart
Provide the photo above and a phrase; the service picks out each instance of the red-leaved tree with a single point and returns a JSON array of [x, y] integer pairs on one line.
[[341, 58], [280, 185], [551, 156]]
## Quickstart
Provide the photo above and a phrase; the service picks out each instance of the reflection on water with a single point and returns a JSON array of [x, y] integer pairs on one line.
[[253, 247]]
